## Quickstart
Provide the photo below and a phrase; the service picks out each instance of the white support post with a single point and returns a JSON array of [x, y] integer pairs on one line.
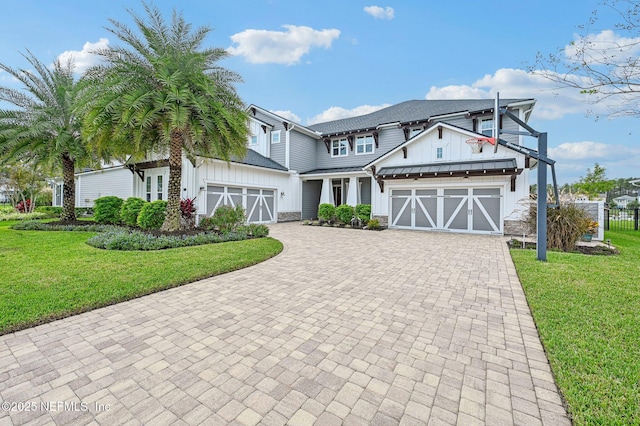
[[326, 195], [352, 194]]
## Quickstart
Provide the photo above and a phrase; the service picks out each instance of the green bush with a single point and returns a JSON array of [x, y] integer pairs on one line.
[[131, 209], [32, 225], [107, 209], [363, 212], [344, 213], [50, 210], [565, 225], [225, 219], [326, 212], [84, 211], [152, 215], [137, 240], [256, 230], [373, 224], [22, 216]]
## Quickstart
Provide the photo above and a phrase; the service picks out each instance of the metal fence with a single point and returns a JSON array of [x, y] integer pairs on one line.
[[619, 219]]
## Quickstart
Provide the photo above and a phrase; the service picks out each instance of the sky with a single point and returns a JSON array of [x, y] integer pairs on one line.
[[313, 61]]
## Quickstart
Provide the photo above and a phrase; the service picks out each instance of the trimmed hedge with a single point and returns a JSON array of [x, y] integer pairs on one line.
[[363, 212], [107, 209], [326, 212], [344, 213], [152, 215], [130, 210]]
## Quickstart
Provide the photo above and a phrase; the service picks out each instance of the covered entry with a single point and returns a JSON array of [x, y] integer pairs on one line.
[[259, 204], [451, 209]]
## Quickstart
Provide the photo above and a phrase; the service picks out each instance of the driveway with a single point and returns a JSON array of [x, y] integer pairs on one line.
[[344, 327]]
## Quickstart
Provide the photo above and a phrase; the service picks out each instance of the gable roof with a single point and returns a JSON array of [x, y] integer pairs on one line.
[[253, 158], [415, 110]]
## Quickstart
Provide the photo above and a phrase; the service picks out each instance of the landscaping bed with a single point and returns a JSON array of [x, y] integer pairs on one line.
[[594, 250]]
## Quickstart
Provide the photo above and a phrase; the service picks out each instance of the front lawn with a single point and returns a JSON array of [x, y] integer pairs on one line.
[[587, 310], [47, 275]]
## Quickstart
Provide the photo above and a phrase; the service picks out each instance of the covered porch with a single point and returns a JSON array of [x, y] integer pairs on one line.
[[336, 186]]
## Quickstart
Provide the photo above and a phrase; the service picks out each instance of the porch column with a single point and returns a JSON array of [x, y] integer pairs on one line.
[[352, 193], [326, 195]]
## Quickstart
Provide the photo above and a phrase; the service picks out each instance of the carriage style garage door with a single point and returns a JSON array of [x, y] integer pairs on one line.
[[259, 204], [460, 210]]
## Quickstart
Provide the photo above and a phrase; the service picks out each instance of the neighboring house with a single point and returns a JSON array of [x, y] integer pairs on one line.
[[5, 194], [624, 200], [410, 161]]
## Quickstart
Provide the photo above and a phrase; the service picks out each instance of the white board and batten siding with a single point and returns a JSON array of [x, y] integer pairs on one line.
[[263, 193], [439, 203], [117, 181]]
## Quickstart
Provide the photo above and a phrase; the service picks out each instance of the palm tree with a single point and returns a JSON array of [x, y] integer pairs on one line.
[[163, 92], [43, 129]]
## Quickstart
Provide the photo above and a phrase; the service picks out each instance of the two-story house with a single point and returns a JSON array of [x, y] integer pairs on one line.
[[416, 163]]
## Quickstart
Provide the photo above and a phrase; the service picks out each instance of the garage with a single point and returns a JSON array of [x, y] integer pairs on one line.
[[476, 209], [259, 203]]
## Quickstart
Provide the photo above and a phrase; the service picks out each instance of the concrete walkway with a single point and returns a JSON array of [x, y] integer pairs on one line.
[[344, 327]]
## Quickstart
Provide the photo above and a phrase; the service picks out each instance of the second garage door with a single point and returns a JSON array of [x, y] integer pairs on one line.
[[259, 204], [454, 209]]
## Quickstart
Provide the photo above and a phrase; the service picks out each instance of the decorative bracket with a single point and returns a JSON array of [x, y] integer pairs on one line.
[[350, 140], [404, 151], [375, 138], [133, 170], [327, 143]]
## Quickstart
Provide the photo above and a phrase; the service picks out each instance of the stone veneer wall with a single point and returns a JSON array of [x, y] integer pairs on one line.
[[515, 228], [289, 216], [384, 220]]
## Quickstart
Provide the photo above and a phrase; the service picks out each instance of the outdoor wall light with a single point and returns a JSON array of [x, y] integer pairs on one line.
[[282, 194]]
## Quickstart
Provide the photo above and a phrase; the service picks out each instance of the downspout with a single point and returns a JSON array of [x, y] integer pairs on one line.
[[287, 145]]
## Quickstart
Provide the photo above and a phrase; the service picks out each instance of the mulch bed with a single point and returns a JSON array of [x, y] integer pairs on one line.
[[598, 250]]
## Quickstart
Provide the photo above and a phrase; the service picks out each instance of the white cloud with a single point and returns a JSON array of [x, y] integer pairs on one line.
[[591, 150], [337, 113], [380, 12], [280, 47], [83, 59], [288, 115], [605, 48], [552, 102]]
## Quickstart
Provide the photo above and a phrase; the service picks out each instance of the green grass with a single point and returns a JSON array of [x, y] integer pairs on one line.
[[50, 275], [587, 310]]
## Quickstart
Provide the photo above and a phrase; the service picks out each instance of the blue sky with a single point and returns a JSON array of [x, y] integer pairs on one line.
[[320, 60]]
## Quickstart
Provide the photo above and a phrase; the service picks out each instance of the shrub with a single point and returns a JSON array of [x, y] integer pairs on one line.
[[363, 212], [50, 210], [326, 212], [225, 219], [24, 206], [137, 240], [32, 225], [22, 216], [107, 209], [152, 215], [256, 230], [84, 211], [131, 209], [344, 213], [373, 224], [565, 225], [187, 212]]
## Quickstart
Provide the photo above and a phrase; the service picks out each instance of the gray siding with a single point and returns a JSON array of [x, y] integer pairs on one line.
[[365, 190], [302, 151], [310, 198], [278, 149]]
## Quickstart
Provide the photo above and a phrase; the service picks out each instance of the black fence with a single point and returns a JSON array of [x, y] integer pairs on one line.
[[618, 219]]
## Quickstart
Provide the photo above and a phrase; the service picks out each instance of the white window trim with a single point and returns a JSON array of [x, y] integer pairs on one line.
[[340, 143], [482, 129], [365, 138], [275, 132], [439, 150]]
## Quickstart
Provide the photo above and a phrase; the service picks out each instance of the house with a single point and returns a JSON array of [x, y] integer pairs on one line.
[[624, 200], [418, 163]]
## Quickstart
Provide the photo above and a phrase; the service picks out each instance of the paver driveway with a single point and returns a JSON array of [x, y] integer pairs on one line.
[[345, 326]]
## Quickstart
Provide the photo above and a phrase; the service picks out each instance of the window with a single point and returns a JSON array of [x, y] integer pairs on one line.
[[339, 148], [439, 152], [159, 189], [253, 140], [148, 188], [275, 136], [364, 144], [486, 127]]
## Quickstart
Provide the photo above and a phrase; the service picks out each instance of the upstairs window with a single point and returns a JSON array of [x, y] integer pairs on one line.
[[439, 152], [364, 144], [486, 127], [253, 140], [339, 148], [275, 136]]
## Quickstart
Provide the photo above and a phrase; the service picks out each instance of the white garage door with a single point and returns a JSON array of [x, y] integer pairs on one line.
[[461, 210], [259, 204]]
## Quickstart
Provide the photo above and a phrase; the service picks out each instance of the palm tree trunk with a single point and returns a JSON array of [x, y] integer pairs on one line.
[[68, 189], [172, 219]]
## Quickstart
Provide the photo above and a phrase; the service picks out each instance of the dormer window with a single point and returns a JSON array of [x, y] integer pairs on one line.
[[339, 147], [275, 136], [364, 145], [486, 127], [439, 152], [253, 140]]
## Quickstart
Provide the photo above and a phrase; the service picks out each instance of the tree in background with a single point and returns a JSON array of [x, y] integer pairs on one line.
[[595, 182], [162, 92], [26, 184], [43, 130], [602, 67]]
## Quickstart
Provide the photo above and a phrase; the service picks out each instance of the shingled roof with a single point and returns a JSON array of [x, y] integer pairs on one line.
[[404, 112]]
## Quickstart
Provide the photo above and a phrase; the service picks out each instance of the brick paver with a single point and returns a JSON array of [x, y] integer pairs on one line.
[[343, 327]]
